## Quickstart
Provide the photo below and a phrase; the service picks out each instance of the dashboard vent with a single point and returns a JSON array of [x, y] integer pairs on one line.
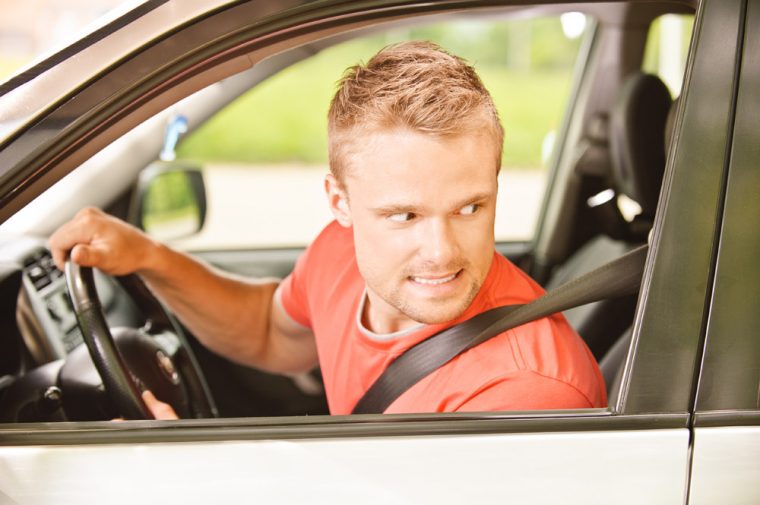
[[41, 269]]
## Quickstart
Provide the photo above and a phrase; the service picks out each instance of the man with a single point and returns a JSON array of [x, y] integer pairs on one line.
[[415, 149]]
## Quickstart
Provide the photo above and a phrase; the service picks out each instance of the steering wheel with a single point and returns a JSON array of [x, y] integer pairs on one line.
[[129, 360]]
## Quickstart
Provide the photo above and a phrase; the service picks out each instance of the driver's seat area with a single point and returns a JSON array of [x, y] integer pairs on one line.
[[636, 145]]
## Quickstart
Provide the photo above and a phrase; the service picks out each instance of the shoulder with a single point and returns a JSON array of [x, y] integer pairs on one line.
[[333, 235], [548, 346], [550, 350], [494, 377], [545, 356], [527, 390], [324, 268], [332, 249], [507, 284], [532, 367]]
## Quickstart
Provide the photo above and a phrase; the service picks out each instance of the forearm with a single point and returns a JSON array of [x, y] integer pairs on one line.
[[231, 315], [228, 314]]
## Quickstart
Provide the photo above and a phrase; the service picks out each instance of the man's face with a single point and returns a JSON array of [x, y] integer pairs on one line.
[[422, 210]]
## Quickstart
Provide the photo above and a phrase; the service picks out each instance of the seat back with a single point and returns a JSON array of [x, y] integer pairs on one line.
[[612, 362], [637, 139], [636, 134]]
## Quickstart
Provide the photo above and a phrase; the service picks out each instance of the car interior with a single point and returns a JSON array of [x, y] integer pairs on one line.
[[613, 145], [635, 147]]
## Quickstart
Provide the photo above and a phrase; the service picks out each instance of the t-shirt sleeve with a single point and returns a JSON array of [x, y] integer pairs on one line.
[[293, 291], [301, 291], [525, 390]]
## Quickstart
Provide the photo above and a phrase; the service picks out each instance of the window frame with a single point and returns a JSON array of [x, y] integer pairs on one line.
[[91, 127], [730, 378]]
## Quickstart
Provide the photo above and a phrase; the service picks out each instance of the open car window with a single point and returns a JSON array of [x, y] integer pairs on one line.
[[263, 157], [269, 146]]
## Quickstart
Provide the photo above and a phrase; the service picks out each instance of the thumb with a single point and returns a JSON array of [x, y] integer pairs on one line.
[[159, 409]]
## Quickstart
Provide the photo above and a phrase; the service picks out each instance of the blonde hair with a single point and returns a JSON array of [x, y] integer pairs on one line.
[[414, 85]]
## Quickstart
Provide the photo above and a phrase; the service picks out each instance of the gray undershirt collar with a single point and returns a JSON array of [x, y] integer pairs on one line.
[[381, 337]]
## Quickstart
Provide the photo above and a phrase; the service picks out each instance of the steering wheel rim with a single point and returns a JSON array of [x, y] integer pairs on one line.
[[120, 384]]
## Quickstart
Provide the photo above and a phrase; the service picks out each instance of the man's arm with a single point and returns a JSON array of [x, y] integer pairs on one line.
[[236, 317]]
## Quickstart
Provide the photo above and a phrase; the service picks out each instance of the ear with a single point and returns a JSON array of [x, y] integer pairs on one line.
[[337, 198]]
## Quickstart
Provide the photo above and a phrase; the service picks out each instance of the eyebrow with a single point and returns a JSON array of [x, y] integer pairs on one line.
[[402, 208]]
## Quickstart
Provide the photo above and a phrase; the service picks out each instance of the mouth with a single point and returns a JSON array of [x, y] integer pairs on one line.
[[434, 280]]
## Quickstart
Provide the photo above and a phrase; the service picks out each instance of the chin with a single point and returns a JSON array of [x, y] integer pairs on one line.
[[438, 315]]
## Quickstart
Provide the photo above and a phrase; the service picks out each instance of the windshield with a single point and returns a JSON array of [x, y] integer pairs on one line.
[[31, 32], [41, 82]]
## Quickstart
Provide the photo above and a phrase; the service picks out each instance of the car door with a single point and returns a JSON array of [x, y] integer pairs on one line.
[[636, 451], [727, 417]]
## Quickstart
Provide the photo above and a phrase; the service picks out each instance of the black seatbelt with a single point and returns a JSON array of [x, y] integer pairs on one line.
[[617, 278]]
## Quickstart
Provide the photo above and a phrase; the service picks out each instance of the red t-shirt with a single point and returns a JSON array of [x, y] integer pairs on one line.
[[539, 365]]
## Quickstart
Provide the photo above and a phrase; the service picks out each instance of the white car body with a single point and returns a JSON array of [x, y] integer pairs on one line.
[[683, 427]]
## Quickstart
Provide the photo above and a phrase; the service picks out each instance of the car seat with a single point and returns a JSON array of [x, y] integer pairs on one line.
[[611, 363], [627, 150]]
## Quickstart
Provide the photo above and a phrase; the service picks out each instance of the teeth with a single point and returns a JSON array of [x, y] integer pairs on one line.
[[433, 282]]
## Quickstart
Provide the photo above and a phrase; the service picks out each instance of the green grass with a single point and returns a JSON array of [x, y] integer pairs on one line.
[[530, 105], [284, 118]]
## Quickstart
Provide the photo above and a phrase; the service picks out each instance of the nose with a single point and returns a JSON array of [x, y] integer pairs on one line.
[[438, 243]]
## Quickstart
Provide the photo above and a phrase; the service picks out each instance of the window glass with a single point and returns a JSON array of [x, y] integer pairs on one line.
[[268, 149], [666, 49], [665, 54]]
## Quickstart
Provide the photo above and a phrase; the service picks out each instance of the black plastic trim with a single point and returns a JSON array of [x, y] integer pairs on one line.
[[717, 233], [334, 427], [727, 418], [731, 364], [719, 215]]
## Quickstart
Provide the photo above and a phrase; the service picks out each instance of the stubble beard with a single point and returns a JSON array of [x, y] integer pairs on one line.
[[429, 311]]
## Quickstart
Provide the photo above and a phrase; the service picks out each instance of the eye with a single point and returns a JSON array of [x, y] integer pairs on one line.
[[470, 209], [402, 217]]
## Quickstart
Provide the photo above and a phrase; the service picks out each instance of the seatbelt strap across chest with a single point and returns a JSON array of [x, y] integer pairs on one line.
[[617, 278]]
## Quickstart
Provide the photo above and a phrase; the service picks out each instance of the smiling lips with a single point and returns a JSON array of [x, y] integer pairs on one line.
[[434, 281]]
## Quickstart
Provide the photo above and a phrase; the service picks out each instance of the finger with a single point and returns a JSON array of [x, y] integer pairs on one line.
[[61, 242], [159, 409], [59, 257], [77, 231]]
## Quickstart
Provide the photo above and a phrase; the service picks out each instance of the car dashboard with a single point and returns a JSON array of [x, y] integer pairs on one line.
[[41, 339]]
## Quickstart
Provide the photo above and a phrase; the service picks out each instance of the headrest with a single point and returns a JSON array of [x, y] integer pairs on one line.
[[637, 139], [594, 152]]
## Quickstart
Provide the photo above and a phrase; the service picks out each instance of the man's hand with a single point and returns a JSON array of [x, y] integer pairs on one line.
[[159, 409], [95, 239], [233, 316]]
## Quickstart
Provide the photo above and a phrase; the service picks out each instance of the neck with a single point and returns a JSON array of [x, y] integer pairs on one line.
[[379, 317]]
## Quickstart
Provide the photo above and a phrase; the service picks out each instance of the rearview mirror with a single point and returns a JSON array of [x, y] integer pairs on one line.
[[169, 201]]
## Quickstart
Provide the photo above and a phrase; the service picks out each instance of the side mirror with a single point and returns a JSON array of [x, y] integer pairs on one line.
[[169, 201]]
